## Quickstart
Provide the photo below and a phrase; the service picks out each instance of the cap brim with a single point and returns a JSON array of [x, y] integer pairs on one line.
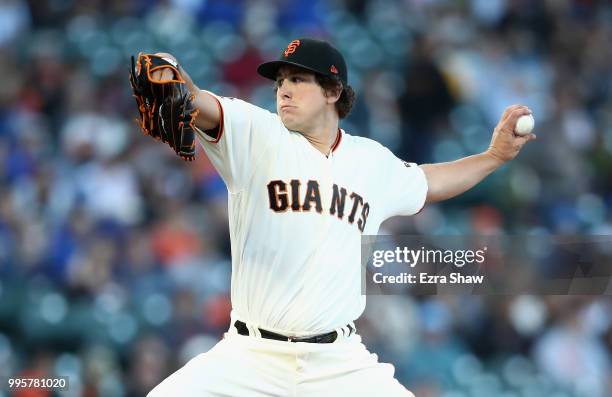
[[269, 70]]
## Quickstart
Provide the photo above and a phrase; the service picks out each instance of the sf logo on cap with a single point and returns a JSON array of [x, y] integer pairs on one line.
[[291, 47]]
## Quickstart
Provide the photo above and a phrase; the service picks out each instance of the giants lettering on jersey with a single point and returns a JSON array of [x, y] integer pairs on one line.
[[286, 196]]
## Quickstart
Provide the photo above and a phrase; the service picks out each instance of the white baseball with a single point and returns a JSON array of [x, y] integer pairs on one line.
[[524, 125]]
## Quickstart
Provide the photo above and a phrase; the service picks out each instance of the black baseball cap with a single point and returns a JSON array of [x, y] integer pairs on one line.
[[315, 55]]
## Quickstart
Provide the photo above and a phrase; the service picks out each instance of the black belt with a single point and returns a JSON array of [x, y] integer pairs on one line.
[[330, 337]]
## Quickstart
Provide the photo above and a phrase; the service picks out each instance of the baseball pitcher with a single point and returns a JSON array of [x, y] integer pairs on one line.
[[302, 191]]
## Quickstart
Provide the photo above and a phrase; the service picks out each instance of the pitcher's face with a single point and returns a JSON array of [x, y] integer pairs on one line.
[[300, 100]]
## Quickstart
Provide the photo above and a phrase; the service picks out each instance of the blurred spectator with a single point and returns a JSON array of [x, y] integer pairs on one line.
[[572, 353], [424, 103]]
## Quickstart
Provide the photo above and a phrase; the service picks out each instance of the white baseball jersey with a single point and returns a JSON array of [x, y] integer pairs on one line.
[[296, 217]]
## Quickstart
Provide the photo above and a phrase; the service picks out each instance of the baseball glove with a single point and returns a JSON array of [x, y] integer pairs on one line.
[[166, 107]]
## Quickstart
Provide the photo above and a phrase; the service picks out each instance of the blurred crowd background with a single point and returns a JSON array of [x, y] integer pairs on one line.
[[114, 254]]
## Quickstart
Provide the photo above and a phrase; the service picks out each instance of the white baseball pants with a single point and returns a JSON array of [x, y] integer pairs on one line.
[[249, 366]]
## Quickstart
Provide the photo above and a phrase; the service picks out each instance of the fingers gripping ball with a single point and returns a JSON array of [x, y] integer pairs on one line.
[[165, 104], [524, 125]]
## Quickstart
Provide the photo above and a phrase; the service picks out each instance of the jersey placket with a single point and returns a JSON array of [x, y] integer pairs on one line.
[[325, 177]]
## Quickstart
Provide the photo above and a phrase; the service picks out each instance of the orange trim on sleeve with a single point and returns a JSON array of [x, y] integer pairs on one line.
[[220, 126]]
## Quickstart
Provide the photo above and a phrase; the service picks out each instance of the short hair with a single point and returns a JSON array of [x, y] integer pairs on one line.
[[347, 96], [328, 83]]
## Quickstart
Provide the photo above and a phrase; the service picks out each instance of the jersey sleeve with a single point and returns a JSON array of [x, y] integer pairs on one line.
[[403, 185], [244, 134]]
